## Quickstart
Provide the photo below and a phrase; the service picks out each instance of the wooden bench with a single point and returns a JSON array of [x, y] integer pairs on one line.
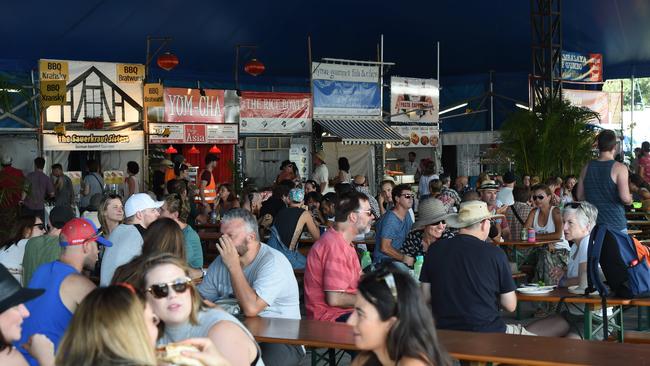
[[465, 346], [634, 336]]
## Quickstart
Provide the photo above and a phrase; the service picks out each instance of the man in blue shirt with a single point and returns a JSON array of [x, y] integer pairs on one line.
[[393, 228]]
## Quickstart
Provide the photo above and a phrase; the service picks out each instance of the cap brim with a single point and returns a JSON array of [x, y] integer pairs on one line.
[[20, 297], [103, 241], [453, 221]]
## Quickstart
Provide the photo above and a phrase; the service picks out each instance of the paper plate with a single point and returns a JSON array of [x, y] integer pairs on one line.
[[580, 291], [535, 290]]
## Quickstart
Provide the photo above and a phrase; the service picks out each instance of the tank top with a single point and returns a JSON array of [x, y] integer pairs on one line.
[[48, 314], [286, 222], [549, 228], [602, 192]]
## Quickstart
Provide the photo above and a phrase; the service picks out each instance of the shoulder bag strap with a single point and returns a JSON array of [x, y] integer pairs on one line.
[[517, 215]]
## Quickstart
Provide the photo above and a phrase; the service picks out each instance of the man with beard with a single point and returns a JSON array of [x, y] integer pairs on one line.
[[333, 268], [258, 276]]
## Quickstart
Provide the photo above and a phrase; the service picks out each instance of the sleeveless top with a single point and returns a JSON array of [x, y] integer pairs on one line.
[[48, 314], [206, 320], [286, 221], [602, 192], [549, 228]]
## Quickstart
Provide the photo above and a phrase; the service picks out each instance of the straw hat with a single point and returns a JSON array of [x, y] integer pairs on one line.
[[429, 211], [470, 213], [166, 162], [488, 184], [320, 156]]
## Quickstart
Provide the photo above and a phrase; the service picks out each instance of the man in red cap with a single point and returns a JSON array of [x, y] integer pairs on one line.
[[65, 286]]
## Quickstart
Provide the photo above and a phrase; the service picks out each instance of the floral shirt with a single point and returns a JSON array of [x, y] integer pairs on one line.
[[413, 244]]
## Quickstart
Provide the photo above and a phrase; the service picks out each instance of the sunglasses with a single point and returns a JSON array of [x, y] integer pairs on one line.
[[161, 290], [408, 196], [535, 198], [367, 212], [383, 274], [574, 205], [438, 223], [40, 226]]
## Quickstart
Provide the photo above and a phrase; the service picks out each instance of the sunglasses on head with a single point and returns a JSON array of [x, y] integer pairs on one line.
[[574, 205], [383, 274], [535, 198], [161, 290]]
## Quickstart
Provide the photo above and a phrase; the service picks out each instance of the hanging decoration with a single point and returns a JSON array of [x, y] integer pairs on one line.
[[254, 67], [214, 150], [194, 151], [167, 61], [171, 150]]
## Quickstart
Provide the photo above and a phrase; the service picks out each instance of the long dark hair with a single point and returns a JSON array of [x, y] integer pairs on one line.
[[22, 224], [413, 335]]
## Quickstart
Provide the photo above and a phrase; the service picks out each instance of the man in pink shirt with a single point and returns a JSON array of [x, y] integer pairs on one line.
[[333, 268]]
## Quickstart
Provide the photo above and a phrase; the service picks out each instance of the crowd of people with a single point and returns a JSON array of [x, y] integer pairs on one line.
[[128, 274]]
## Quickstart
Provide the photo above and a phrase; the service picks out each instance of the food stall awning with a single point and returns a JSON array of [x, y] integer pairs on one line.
[[361, 131]]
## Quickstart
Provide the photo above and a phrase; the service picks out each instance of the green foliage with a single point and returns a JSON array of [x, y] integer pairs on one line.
[[12, 94], [641, 91], [553, 141]]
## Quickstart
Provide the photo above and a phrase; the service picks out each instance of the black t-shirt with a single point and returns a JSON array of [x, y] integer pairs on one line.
[[467, 276], [158, 183], [286, 222]]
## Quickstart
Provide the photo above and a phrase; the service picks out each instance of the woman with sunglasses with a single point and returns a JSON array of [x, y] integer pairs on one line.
[[546, 220], [427, 229], [12, 250], [177, 303], [391, 323]]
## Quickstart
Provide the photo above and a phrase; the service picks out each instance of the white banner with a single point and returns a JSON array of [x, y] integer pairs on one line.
[[353, 73], [94, 140], [266, 125], [199, 133], [419, 136], [414, 100]]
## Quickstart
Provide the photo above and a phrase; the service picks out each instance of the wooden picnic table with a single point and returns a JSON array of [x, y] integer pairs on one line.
[[590, 302], [466, 346], [638, 222], [637, 213], [523, 243]]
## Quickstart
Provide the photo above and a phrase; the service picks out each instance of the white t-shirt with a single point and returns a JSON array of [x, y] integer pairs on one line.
[[549, 228], [321, 175], [577, 255], [12, 258], [505, 196], [127, 244], [423, 186]]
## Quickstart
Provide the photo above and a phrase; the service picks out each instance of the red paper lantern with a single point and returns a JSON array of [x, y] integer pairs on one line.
[[167, 61], [214, 150], [194, 150], [254, 67], [171, 150]]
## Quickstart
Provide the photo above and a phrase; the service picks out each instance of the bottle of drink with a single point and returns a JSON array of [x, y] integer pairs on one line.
[[417, 267], [365, 259], [524, 234]]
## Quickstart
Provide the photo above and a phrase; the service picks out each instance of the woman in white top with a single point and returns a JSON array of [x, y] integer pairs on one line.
[[344, 171], [579, 219], [12, 250], [130, 182], [566, 192], [547, 222]]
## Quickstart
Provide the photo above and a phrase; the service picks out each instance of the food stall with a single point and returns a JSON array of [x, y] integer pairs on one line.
[[195, 123], [274, 127], [92, 110]]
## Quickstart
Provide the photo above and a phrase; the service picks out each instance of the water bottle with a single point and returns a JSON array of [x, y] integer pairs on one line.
[[524, 234], [365, 259], [213, 217], [417, 267]]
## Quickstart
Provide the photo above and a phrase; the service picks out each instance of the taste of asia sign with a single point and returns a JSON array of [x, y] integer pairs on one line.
[[193, 133], [194, 105]]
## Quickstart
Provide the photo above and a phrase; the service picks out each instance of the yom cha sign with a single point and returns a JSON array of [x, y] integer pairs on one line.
[[194, 105], [85, 89], [345, 90], [582, 67], [278, 113], [414, 100]]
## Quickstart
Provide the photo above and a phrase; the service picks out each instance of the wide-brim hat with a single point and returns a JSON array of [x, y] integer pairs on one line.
[[488, 184], [470, 213], [167, 163], [320, 156], [429, 211], [11, 293]]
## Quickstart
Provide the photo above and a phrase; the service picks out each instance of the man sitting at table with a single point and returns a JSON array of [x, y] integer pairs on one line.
[[393, 228], [465, 279], [488, 191], [333, 269], [258, 276]]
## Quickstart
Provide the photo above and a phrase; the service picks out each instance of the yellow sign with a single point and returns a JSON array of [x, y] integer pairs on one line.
[[153, 95], [53, 93], [53, 70], [130, 73]]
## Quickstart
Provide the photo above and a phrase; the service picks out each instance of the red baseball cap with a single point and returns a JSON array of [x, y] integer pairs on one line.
[[79, 230]]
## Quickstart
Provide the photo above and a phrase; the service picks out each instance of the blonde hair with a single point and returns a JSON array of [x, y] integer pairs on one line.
[[108, 327]]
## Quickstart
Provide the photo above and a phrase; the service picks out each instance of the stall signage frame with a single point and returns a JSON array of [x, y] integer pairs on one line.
[[94, 140], [345, 90], [183, 105], [582, 66], [275, 113], [414, 100], [194, 133], [419, 136], [596, 101]]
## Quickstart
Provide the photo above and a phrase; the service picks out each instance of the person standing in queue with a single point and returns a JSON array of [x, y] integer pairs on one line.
[[207, 184]]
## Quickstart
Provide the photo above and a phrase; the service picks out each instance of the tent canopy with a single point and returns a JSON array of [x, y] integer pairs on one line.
[[476, 35]]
